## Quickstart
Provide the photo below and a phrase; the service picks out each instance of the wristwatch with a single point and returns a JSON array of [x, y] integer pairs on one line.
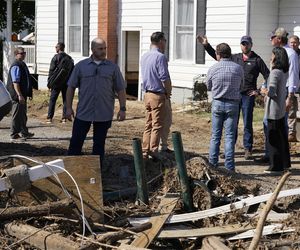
[[123, 108]]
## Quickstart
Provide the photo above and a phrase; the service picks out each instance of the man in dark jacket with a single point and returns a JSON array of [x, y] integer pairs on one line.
[[252, 65], [57, 88], [20, 88]]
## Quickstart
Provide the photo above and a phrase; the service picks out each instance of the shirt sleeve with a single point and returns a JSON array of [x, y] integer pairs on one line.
[[163, 69], [293, 80], [74, 80], [208, 80], [119, 83], [15, 74], [273, 83], [263, 69]]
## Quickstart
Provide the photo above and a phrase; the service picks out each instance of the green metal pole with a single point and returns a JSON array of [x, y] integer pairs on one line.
[[184, 180], [142, 189]]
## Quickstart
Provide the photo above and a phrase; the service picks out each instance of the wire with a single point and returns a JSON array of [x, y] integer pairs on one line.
[[84, 221]]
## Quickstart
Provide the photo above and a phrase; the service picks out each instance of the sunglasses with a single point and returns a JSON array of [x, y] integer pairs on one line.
[[245, 43], [22, 53]]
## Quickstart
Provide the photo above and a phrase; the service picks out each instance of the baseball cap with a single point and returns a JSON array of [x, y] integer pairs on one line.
[[247, 39], [279, 32]]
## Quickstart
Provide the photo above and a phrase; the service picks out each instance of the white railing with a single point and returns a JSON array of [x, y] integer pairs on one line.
[[30, 57]]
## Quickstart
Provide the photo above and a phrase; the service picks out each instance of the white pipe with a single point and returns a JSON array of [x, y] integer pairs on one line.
[[9, 19]]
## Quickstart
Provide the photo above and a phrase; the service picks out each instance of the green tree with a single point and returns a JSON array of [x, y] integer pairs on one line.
[[23, 14]]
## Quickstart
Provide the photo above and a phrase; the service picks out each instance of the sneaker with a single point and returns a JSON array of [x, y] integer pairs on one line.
[[292, 138], [49, 120], [28, 135], [63, 120], [262, 160], [274, 172], [15, 137], [248, 154]]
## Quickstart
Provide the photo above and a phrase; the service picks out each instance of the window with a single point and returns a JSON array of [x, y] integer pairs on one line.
[[184, 30], [181, 21], [74, 26]]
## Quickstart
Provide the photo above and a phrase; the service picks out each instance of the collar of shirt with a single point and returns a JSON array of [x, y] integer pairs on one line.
[[91, 60], [225, 59]]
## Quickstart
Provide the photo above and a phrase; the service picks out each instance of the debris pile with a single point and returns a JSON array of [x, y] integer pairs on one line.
[[228, 209]]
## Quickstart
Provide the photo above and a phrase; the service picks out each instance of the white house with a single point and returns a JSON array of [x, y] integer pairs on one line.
[[128, 24]]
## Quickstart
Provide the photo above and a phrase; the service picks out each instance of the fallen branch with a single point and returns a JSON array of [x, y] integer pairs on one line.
[[112, 237], [38, 210], [266, 210], [40, 238]]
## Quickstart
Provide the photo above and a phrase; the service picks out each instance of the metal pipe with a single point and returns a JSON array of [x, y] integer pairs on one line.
[[142, 189], [184, 180]]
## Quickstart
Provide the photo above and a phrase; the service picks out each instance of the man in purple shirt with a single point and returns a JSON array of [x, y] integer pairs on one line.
[[157, 87], [224, 80]]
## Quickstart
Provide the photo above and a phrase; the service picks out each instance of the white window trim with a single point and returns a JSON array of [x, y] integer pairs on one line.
[[67, 49], [172, 42]]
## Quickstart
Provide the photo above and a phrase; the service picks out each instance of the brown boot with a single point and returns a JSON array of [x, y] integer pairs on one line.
[[292, 138]]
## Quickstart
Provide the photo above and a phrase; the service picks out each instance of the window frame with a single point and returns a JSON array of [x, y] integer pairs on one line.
[[67, 27], [172, 42]]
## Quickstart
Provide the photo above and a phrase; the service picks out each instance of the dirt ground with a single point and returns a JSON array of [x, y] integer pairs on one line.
[[53, 139]]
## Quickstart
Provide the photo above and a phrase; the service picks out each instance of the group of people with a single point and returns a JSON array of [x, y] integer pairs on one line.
[[233, 83]]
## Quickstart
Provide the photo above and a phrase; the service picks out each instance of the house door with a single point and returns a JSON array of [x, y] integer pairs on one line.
[[132, 49]]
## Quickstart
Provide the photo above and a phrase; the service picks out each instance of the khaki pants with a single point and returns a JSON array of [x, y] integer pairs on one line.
[[155, 115], [292, 117], [166, 127]]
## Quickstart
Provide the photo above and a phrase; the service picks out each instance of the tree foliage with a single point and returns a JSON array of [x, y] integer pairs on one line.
[[23, 13]]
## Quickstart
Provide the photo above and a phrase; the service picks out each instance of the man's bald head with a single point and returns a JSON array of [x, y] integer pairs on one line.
[[98, 47]]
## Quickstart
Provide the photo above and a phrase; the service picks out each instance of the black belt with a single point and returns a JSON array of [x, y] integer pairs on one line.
[[154, 92]]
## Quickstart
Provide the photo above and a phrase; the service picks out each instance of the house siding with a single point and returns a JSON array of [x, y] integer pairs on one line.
[[146, 17], [289, 16], [47, 35]]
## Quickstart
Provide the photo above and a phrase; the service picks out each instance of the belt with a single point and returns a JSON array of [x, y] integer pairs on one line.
[[154, 92]]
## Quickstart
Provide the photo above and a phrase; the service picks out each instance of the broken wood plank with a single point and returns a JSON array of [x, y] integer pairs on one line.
[[38, 210], [40, 238], [166, 206], [202, 232], [220, 210], [272, 216], [270, 229], [213, 243], [87, 173]]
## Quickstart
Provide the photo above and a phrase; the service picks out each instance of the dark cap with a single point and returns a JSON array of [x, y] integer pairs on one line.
[[247, 39]]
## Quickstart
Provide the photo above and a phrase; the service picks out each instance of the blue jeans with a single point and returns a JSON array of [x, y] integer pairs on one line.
[[265, 123], [247, 106], [79, 132], [224, 114]]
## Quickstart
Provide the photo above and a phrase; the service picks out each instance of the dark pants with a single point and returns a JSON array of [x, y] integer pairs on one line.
[[247, 106], [19, 119], [278, 145], [5, 109], [53, 98], [79, 132]]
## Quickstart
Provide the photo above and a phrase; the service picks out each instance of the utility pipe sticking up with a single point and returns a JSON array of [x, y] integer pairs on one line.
[[142, 189], [184, 180]]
